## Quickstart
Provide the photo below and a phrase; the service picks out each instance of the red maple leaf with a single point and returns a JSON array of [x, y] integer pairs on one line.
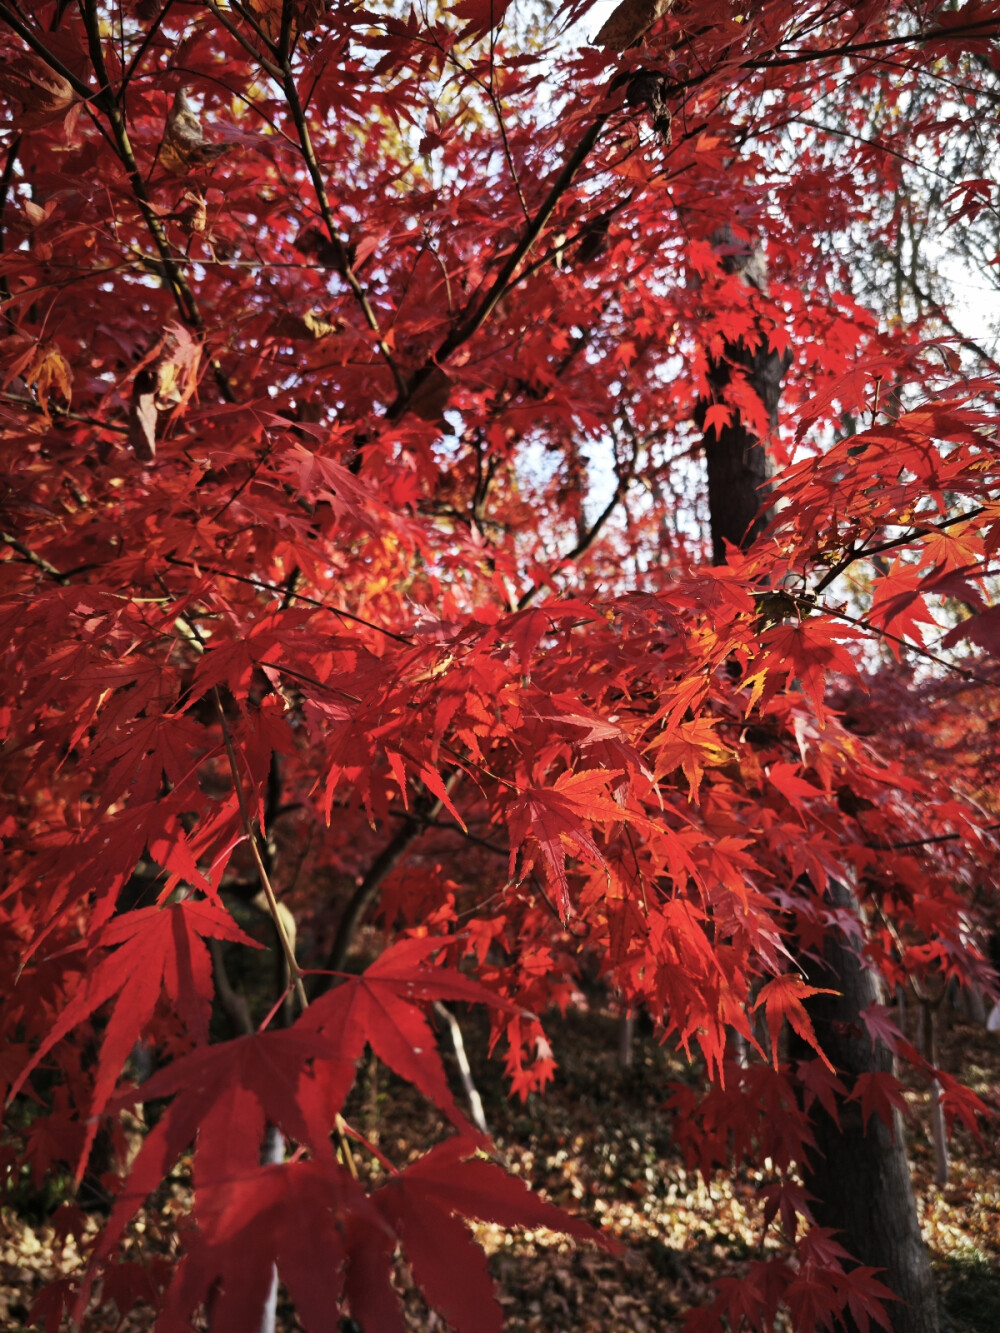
[[557, 817], [791, 1200], [294, 1216], [794, 788], [822, 1085], [961, 1102], [380, 1009], [160, 949], [881, 1026], [865, 1297], [480, 15], [782, 999], [422, 1205], [224, 1097], [879, 1093]]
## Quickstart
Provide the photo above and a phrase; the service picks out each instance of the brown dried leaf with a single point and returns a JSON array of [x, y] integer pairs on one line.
[[40, 365], [311, 327], [629, 22], [167, 379], [184, 147], [142, 416], [182, 361], [193, 212]]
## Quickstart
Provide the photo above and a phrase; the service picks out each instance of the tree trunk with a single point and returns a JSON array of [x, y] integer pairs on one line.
[[859, 1174]]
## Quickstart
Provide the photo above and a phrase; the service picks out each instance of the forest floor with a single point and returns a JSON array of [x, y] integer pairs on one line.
[[598, 1143]]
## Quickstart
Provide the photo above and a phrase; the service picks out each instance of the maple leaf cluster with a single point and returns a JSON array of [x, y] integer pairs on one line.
[[321, 327]]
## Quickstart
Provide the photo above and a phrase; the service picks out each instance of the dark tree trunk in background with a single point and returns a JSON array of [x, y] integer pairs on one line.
[[859, 1175], [738, 464]]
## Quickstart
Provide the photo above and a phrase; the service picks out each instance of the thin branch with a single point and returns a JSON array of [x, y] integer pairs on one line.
[[807, 600], [58, 414], [477, 315], [6, 181], [364, 895], [286, 593], [927, 842], [940, 313], [294, 971], [245, 41], [982, 28], [447, 827], [105, 99], [851, 136], [491, 93], [32, 40], [144, 45], [344, 266], [235, 1004], [588, 538], [32, 558], [865, 552], [464, 1070]]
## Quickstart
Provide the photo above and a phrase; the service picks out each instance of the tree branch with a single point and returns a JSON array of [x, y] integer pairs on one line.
[[913, 535], [106, 101], [32, 558], [428, 808], [477, 315]]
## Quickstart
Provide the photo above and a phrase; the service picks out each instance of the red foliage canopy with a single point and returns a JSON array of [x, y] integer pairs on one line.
[[354, 555]]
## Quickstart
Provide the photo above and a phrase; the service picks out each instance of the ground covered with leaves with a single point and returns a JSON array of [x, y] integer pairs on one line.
[[598, 1143]]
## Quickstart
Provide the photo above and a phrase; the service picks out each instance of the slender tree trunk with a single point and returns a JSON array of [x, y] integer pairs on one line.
[[626, 1039], [939, 1132], [859, 1174]]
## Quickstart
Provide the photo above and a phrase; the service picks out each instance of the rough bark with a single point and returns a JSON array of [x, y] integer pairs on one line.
[[859, 1174], [738, 463]]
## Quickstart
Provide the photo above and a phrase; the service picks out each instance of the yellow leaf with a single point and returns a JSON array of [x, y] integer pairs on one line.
[[49, 370]]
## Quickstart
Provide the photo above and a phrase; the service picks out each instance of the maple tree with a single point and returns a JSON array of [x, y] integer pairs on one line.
[[356, 365]]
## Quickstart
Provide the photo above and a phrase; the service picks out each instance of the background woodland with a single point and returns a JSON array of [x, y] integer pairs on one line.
[[494, 523]]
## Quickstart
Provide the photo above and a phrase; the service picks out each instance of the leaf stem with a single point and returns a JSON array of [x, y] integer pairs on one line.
[[294, 971]]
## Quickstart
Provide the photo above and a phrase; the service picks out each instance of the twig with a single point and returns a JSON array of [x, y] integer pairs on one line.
[[983, 28], [107, 102], [287, 592], [235, 1005], [477, 315], [809, 601], [588, 538], [927, 842], [465, 1072], [291, 962], [32, 558], [5, 183], [864, 552], [245, 42], [344, 266], [294, 971], [367, 891], [136, 60]]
